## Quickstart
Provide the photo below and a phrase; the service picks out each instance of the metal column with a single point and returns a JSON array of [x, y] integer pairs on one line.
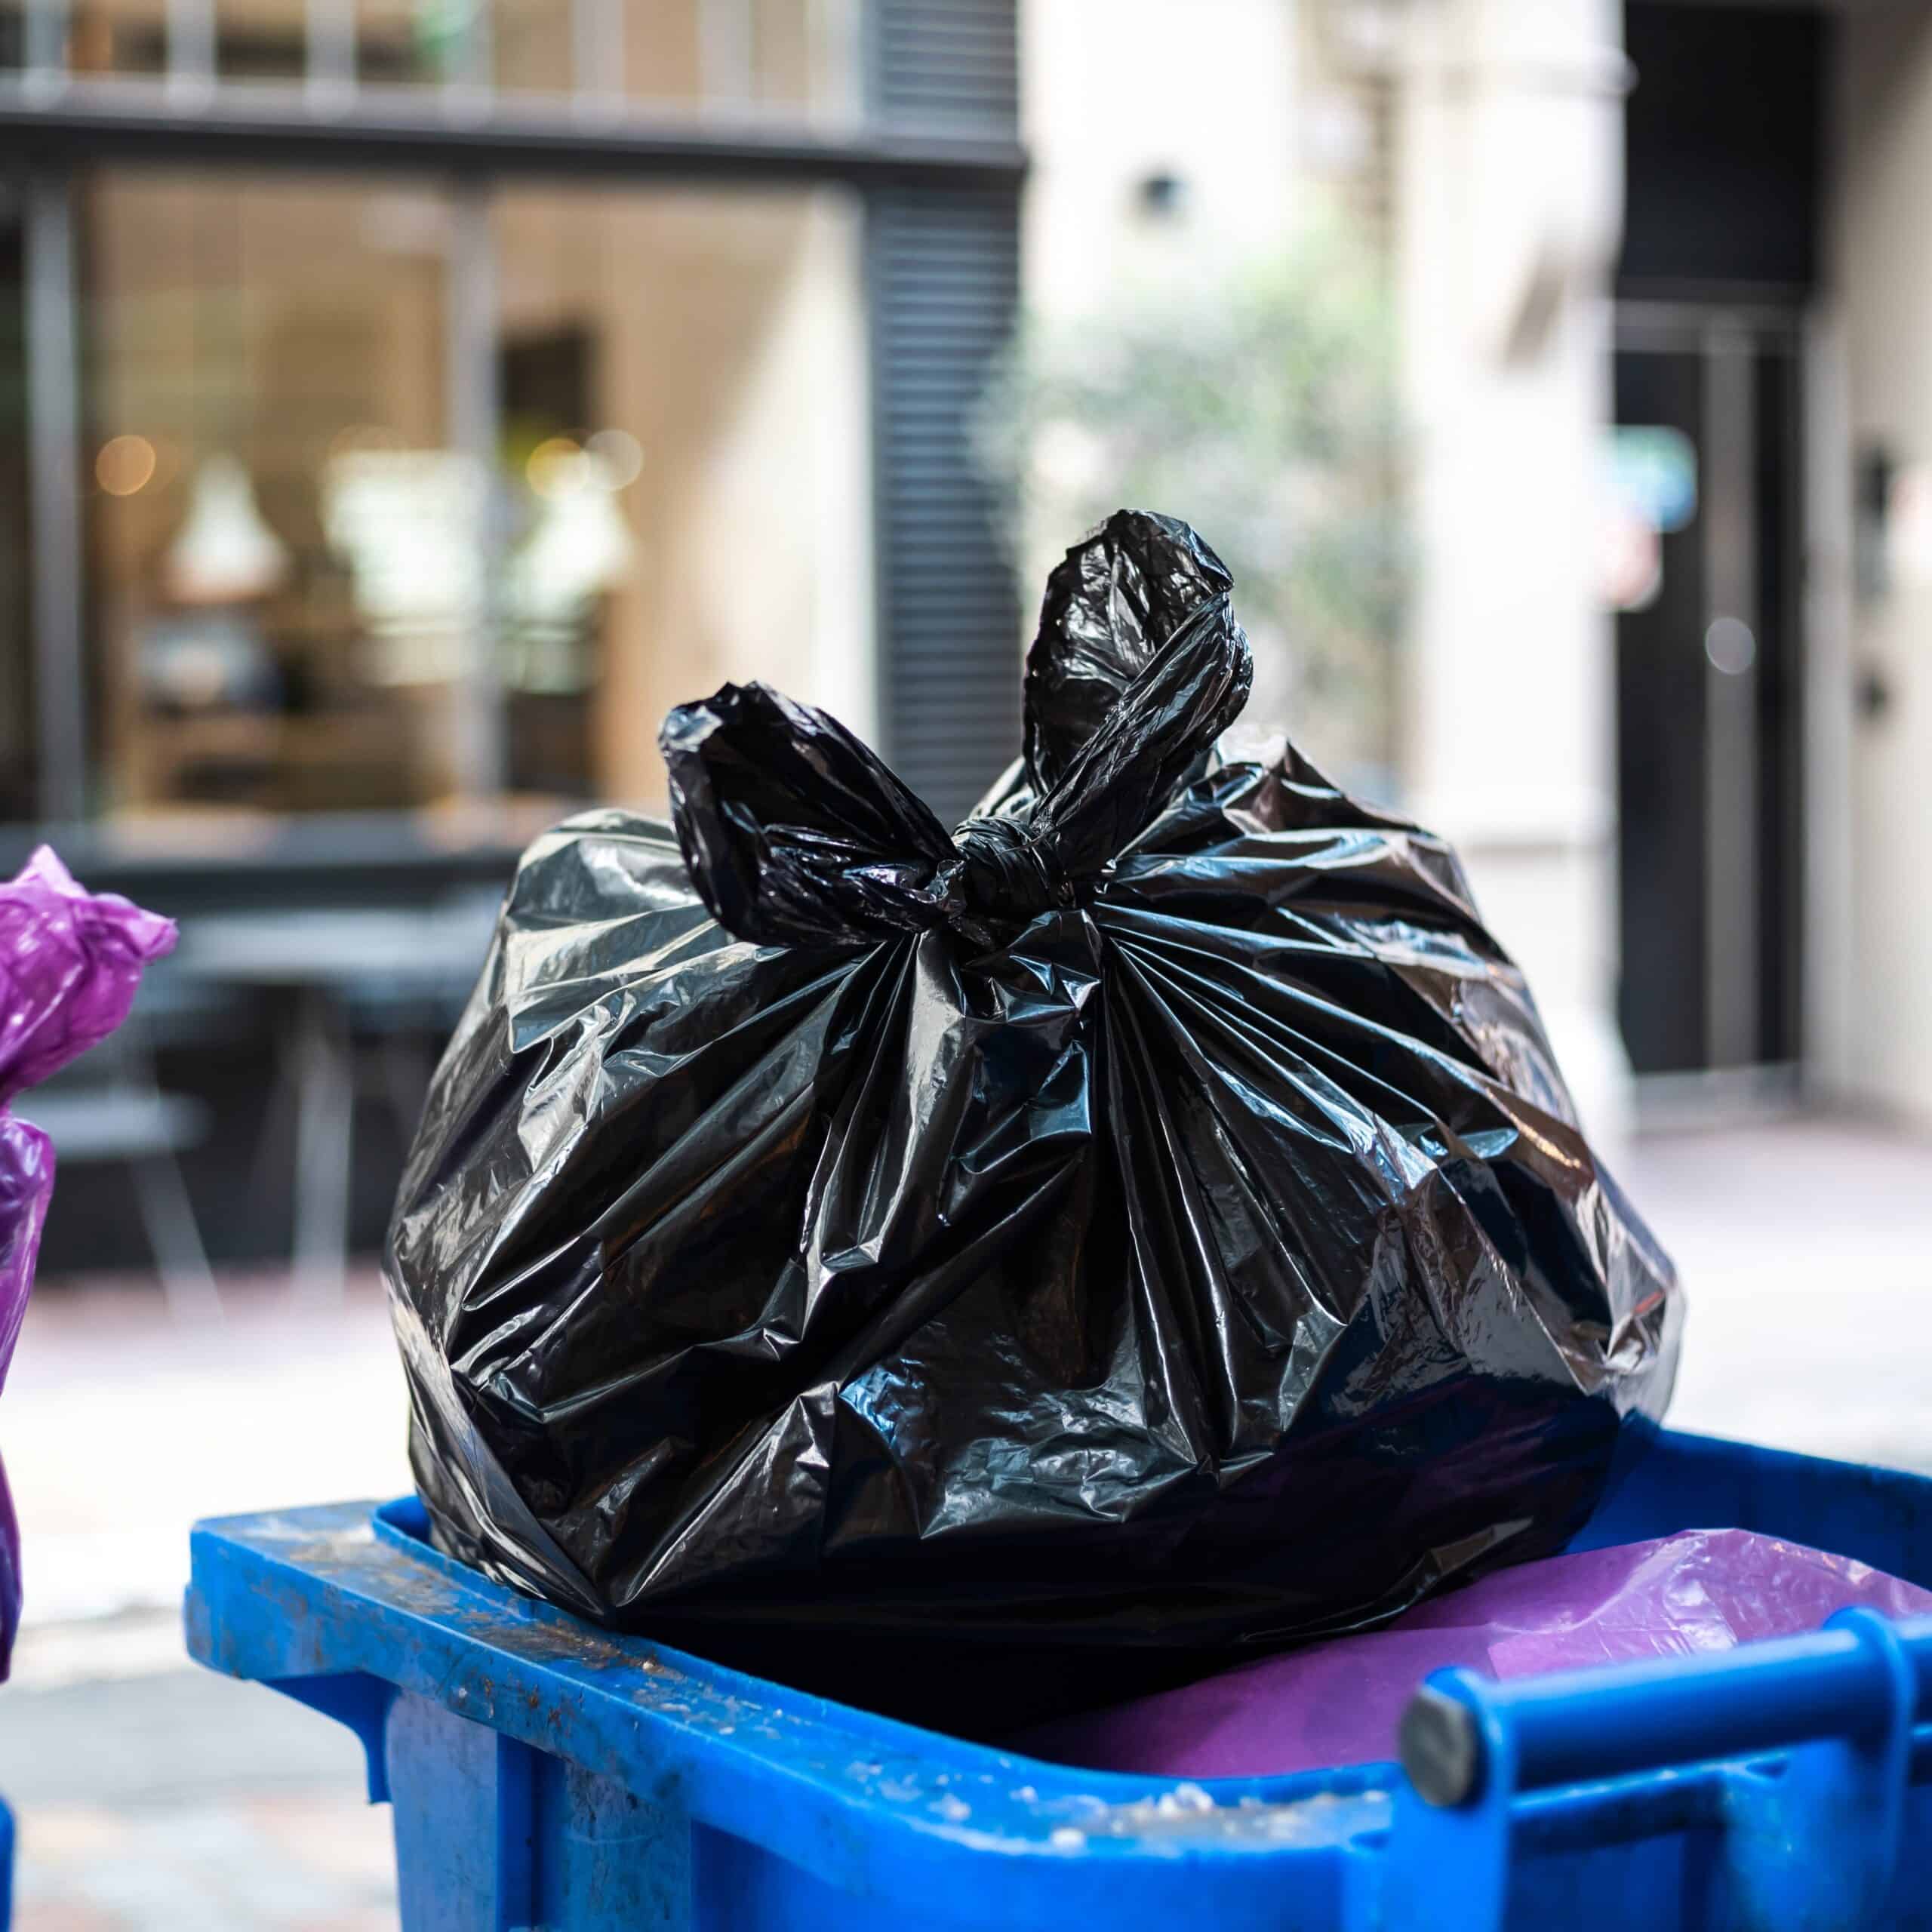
[[54, 431], [1731, 957], [473, 404]]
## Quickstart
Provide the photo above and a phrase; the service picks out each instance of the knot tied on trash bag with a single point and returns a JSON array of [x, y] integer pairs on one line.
[[1003, 875], [794, 833]]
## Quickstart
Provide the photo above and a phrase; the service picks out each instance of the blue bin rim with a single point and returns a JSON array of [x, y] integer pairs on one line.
[[343, 1606], [402, 1523], [346, 1606]]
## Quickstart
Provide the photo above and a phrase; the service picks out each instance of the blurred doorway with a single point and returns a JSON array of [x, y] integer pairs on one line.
[[1706, 464]]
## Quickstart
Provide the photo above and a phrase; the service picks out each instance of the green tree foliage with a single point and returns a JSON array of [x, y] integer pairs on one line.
[[1261, 408]]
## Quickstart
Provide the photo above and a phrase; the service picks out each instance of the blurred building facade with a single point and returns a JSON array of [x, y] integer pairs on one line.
[[403, 404], [412, 402], [1664, 366], [408, 404]]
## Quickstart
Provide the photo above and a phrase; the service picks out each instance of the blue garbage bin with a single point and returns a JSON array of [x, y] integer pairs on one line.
[[544, 1773]]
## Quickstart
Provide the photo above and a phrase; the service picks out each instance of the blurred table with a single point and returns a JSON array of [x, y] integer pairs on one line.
[[319, 964]]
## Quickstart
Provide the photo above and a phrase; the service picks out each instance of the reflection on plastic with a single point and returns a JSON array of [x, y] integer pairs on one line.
[[70, 962], [986, 1276]]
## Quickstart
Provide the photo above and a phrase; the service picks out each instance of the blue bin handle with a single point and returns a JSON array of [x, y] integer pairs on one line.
[[1817, 1846]]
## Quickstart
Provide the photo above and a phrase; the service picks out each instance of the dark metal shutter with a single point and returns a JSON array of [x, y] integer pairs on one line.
[[943, 269], [948, 60]]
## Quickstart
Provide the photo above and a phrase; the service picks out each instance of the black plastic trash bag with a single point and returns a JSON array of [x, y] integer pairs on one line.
[[980, 1275]]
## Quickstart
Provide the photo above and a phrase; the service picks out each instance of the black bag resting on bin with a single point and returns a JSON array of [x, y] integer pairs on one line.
[[977, 1276]]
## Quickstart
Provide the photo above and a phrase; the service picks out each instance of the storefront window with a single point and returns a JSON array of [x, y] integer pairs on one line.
[[535, 45], [796, 58], [295, 578], [118, 37], [793, 47], [399, 42], [683, 392], [799, 57], [283, 593], [261, 40]]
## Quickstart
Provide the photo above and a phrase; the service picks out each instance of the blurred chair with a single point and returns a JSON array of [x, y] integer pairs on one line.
[[331, 973], [109, 1106]]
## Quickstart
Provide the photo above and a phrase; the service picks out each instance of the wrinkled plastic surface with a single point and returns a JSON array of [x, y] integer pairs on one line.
[[70, 962], [979, 1275], [1339, 1703]]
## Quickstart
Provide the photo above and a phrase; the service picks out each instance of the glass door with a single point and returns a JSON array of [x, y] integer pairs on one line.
[[1705, 465]]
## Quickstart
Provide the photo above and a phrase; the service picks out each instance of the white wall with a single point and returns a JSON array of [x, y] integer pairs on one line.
[[1882, 274], [1509, 211], [1118, 89]]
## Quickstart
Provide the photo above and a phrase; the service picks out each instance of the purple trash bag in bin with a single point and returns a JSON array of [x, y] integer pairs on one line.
[[70, 961], [1338, 1703]]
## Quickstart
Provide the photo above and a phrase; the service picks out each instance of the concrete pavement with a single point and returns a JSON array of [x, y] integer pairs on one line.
[[1805, 1247]]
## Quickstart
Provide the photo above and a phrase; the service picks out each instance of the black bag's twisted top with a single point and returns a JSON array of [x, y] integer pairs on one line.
[[796, 835], [978, 1274]]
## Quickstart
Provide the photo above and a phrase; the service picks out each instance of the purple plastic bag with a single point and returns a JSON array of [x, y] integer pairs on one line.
[[70, 962], [1339, 1703]]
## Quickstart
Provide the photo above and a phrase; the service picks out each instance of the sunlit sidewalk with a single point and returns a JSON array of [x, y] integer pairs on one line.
[[154, 1797], [120, 1428], [1805, 1248]]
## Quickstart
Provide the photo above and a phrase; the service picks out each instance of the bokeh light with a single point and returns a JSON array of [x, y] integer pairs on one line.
[[124, 465], [619, 457], [554, 464], [1729, 646]]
